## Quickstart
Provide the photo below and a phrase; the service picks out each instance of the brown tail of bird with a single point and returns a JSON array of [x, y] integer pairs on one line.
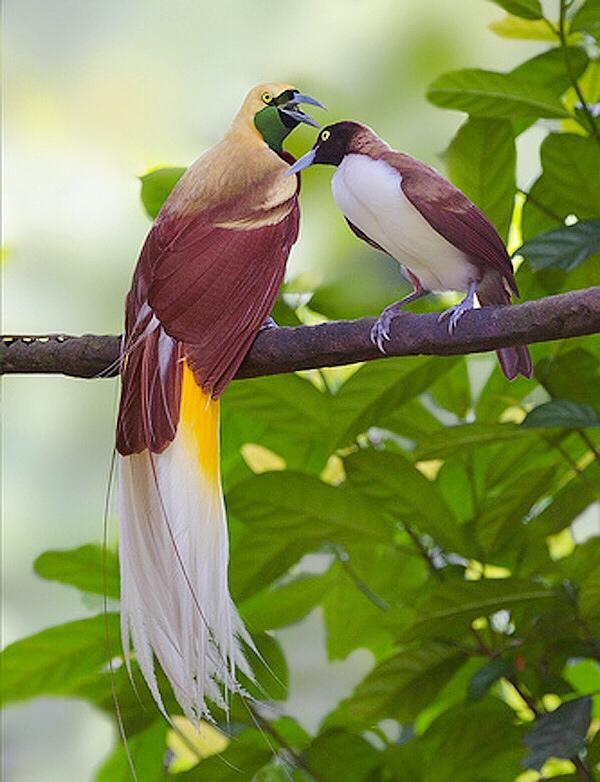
[[515, 360]]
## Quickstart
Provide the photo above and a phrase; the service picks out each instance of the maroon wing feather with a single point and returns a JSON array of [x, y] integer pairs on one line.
[[201, 292], [449, 212]]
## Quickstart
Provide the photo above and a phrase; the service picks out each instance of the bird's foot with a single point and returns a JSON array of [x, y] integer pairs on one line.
[[380, 332], [454, 314], [269, 324]]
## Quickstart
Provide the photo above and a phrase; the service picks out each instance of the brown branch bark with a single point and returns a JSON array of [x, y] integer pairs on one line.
[[342, 342]]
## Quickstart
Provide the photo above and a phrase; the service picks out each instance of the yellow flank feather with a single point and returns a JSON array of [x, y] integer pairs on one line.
[[199, 423]]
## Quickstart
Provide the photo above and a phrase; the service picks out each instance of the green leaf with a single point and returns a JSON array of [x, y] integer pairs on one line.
[[269, 667], [156, 186], [288, 514], [366, 626], [89, 568], [587, 19], [277, 607], [556, 373], [589, 597], [337, 755], [566, 504], [523, 29], [147, 751], [375, 391], [527, 9], [487, 675], [501, 516], [549, 70], [285, 413], [481, 161], [562, 413], [246, 754], [392, 483], [564, 248], [474, 741], [59, 660], [460, 439], [490, 94], [568, 185], [451, 607], [560, 734], [399, 688], [453, 390]]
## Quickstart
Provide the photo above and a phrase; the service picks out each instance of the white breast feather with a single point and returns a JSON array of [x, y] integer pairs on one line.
[[369, 194]]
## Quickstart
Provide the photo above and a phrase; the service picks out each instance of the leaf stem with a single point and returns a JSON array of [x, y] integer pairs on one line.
[[344, 560], [297, 759]]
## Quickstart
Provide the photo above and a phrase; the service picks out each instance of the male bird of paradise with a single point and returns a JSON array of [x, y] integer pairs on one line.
[[409, 211], [205, 282]]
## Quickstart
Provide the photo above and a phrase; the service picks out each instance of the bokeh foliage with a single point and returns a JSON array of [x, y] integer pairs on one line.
[[438, 497]]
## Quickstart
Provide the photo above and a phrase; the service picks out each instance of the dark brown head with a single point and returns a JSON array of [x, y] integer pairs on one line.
[[335, 142]]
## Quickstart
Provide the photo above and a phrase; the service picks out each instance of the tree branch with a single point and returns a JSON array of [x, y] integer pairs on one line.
[[279, 350]]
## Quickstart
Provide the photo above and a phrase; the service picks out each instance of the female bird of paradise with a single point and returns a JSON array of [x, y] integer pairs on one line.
[[409, 211], [205, 282]]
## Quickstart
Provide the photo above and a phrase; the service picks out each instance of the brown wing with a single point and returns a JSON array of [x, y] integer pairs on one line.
[[452, 214], [202, 288], [362, 235]]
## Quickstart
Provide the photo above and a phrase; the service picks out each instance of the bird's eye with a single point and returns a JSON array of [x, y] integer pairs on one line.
[[325, 135], [266, 97]]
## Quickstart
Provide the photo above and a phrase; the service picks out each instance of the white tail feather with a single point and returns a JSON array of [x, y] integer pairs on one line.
[[173, 551]]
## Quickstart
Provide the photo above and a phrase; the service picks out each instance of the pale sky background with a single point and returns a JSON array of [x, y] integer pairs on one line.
[[94, 94]]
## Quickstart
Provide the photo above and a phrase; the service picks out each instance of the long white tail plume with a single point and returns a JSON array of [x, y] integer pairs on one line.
[[173, 552]]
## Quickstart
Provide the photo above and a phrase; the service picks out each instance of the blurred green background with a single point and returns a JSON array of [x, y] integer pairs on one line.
[[94, 95]]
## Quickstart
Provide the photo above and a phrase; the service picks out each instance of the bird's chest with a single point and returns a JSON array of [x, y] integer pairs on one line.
[[369, 193]]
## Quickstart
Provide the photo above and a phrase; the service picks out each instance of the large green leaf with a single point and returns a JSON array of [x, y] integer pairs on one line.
[[589, 597], [500, 518], [285, 413], [474, 741], [527, 9], [277, 607], [459, 439], [400, 687], [560, 734], [569, 184], [392, 483], [562, 413], [449, 608], [587, 19], [481, 161], [566, 504], [375, 391], [156, 186], [89, 568], [549, 70], [288, 514], [147, 751], [564, 248], [490, 94], [512, 26], [336, 755], [372, 623], [244, 756], [59, 660], [556, 373]]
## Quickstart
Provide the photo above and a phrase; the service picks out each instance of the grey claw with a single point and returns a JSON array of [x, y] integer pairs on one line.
[[380, 332]]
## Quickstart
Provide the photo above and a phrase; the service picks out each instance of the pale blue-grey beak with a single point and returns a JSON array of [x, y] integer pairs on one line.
[[293, 110], [299, 98], [304, 162]]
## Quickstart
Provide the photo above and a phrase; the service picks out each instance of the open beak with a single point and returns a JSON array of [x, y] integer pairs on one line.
[[293, 110], [304, 162]]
